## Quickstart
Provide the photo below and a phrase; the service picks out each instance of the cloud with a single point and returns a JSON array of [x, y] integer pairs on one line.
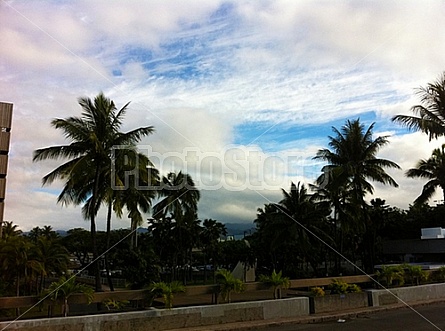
[[270, 74]]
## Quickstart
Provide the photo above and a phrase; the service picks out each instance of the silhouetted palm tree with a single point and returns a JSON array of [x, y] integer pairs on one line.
[[179, 208], [211, 232], [94, 138], [432, 169], [354, 160], [430, 112], [352, 163]]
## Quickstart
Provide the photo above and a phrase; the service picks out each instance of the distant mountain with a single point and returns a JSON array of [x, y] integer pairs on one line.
[[232, 229], [61, 233], [239, 228]]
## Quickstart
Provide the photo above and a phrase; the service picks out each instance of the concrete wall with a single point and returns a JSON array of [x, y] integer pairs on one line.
[[164, 319], [338, 302], [406, 294]]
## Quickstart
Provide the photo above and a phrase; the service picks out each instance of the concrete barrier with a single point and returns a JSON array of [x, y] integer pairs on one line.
[[406, 294], [165, 319], [338, 302]]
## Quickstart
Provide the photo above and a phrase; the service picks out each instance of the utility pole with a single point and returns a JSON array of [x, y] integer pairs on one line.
[[5, 135]]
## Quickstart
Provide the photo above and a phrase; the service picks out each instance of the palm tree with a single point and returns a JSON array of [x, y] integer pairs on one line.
[[276, 281], [180, 197], [211, 232], [432, 169], [352, 162], [52, 257], [140, 192], [167, 291], [14, 259], [430, 112], [179, 208], [228, 284], [94, 137], [10, 230], [303, 220], [329, 191], [64, 288]]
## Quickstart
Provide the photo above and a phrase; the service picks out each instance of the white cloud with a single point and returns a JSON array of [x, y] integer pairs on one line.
[[197, 69]]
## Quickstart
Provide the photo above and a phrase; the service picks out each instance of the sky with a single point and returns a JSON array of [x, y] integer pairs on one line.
[[242, 94]]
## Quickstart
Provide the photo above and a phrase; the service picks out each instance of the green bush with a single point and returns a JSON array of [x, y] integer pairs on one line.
[[414, 274], [353, 288], [318, 291], [338, 287], [113, 304], [391, 275], [439, 274], [341, 287]]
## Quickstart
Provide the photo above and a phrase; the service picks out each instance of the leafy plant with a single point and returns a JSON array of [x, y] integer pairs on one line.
[[439, 274], [113, 304], [353, 288], [341, 287], [64, 288], [276, 281], [391, 274], [414, 274], [318, 291], [167, 291], [228, 284]]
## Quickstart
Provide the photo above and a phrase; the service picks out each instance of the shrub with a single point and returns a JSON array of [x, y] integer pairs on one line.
[[439, 274], [353, 288], [113, 304], [338, 287], [317, 291], [228, 284], [391, 274], [167, 291], [414, 274], [276, 281], [341, 287]]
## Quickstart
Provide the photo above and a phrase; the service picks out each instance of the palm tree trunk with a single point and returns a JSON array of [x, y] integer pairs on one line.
[[107, 264], [65, 307], [98, 285], [17, 310]]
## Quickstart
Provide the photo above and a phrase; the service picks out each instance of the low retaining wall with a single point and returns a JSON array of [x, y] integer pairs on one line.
[[406, 294], [164, 319], [338, 302]]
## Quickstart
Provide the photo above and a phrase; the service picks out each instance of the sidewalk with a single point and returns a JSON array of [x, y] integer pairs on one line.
[[314, 318]]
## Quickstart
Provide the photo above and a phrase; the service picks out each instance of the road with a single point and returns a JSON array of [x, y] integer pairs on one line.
[[425, 318]]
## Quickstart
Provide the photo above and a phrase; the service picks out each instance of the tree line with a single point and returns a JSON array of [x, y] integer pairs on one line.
[[311, 230]]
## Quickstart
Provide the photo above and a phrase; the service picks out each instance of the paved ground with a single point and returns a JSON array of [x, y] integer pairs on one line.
[[430, 317], [391, 317]]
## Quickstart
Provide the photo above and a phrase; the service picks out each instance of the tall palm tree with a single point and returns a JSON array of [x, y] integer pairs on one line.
[[180, 197], [352, 163], [179, 207], [305, 218], [430, 112], [211, 232], [10, 230], [93, 137], [141, 190], [432, 169], [354, 159], [52, 257], [329, 190], [14, 259]]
